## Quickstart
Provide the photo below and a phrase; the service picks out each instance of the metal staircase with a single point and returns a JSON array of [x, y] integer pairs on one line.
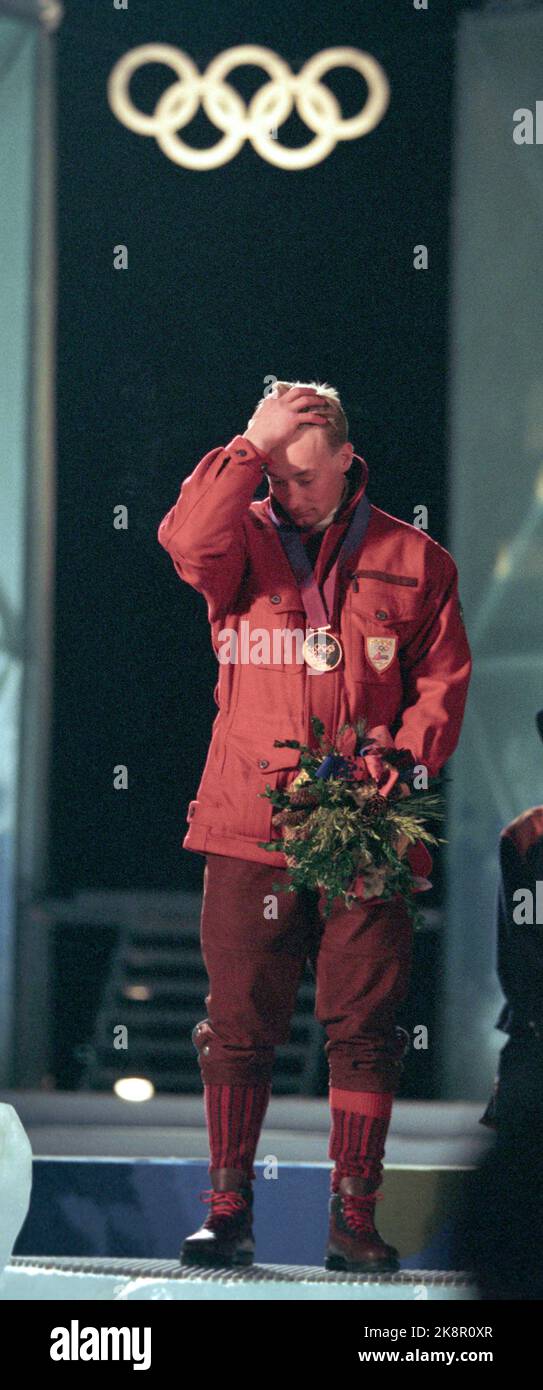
[[154, 994]]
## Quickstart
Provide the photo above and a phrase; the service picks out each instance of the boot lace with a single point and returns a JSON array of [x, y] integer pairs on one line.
[[359, 1211], [223, 1204]]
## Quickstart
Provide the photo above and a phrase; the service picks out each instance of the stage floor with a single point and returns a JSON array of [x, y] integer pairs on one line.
[[138, 1280]]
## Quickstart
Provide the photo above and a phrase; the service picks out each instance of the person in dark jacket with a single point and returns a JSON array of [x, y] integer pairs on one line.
[[500, 1230]]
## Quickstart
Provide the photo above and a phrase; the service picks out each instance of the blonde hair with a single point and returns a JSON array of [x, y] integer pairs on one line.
[[337, 430]]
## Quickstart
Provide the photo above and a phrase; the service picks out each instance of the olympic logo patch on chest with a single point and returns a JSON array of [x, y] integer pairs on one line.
[[381, 651]]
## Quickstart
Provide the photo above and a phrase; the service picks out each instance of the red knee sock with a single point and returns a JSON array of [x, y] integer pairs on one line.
[[234, 1116], [360, 1121]]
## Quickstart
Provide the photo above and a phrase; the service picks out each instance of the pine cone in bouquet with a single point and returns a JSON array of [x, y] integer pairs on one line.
[[290, 819], [302, 794], [291, 823]]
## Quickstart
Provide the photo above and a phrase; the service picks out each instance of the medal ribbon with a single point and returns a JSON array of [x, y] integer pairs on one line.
[[320, 607]]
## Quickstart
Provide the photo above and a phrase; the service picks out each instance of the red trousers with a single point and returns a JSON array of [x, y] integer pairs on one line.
[[361, 958]]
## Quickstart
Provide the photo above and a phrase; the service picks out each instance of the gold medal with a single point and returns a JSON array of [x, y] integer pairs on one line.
[[322, 651]]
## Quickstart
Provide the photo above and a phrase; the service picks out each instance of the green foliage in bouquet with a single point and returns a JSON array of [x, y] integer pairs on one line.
[[337, 830]]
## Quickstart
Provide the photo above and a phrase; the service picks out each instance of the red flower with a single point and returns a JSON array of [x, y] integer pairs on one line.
[[420, 859], [360, 770]]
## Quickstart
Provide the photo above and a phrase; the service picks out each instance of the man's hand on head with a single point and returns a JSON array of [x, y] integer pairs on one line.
[[277, 418]]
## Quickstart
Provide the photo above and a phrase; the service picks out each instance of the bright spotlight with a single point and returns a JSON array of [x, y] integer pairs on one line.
[[134, 1088]]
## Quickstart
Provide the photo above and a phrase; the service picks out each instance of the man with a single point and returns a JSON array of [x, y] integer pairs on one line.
[[499, 1231], [313, 557]]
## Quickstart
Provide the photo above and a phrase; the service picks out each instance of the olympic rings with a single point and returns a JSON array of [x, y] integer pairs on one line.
[[270, 106]]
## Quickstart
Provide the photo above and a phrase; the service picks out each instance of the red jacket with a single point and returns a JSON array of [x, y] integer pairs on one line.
[[399, 583]]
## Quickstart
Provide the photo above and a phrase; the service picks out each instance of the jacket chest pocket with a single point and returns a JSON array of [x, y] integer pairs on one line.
[[381, 617], [276, 632]]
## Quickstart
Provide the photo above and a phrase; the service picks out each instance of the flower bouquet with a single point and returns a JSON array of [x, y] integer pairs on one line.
[[354, 834]]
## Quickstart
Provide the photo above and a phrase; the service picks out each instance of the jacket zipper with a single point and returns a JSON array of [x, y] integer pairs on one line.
[[378, 574]]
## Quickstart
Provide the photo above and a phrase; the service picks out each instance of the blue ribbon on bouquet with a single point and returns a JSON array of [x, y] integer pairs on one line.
[[336, 766]]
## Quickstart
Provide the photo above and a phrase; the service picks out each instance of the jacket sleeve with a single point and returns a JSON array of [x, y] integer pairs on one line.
[[436, 669], [204, 532], [519, 942], [510, 878]]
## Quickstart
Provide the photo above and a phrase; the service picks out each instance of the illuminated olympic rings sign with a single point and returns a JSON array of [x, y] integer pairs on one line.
[[270, 106]]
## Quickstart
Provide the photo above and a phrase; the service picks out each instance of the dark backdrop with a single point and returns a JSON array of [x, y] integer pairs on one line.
[[233, 274]]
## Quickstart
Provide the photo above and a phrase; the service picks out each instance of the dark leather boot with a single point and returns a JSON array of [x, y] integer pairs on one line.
[[353, 1242], [226, 1236]]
